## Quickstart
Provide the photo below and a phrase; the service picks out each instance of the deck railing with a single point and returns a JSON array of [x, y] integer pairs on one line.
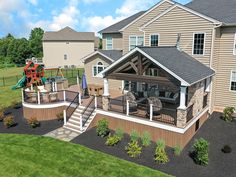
[[72, 107], [190, 113], [89, 109]]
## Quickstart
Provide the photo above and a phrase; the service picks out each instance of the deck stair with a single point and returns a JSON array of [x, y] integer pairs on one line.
[[82, 115]]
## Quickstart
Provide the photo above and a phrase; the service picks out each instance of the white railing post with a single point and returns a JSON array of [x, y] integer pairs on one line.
[[64, 95], [127, 107], [64, 114], [22, 92], [151, 112], [77, 79], [38, 97], [81, 123], [80, 98], [53, 87], [95, 101]]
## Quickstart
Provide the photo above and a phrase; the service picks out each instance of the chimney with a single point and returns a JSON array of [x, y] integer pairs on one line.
[[178, 42]]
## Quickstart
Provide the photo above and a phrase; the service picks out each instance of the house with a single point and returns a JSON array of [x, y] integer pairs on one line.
[[164, 70], [66, 47]]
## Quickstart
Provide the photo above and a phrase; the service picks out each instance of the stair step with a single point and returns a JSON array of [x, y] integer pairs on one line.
[[77, 123], [72, 129], [72, 126]]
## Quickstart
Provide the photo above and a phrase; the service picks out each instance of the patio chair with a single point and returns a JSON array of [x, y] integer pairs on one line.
[[157, 106], [132, 102]]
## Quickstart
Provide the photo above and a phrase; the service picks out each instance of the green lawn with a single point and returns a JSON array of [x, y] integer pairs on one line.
[[23, 155], [7, 72], [8, 96]]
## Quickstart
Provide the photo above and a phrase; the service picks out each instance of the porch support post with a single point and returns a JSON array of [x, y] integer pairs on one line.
[[151, 112], [105, 98], [127, 107], [64, 114], [95, 101], [182, 97], [208, 84]]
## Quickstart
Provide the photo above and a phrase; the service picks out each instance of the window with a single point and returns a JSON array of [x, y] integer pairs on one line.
[[235, 44], [233, 81], [198, 44], [135, 41], [154, 40], [109, 45], [98, 68], [65, 57]]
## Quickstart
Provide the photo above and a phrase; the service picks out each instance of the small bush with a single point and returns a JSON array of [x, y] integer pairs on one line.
[[133, 149], [228, 113], [33, 122], [177, 150], [8, 121], [226, 149], [1, 115], [102, 128], [146, 139], [160, 153], [60, 116], [119, 133], [112, 140], [201, 151], [134, 136]]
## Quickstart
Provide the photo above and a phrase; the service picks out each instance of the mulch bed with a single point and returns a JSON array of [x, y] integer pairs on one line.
[[22, 127], [216, 131]]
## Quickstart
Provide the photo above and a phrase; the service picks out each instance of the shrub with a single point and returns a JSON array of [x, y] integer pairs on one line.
[[133, 149], [33, 122], [102, 128], [119, 133], [228, 113], [201, 151], [177, 150], [112, 140], [1, 115], [146, 139], [8, 121], [226, 149], [160, 153], [60, 116], [134, 136]]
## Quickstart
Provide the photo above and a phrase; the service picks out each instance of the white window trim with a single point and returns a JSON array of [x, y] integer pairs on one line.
[[231, 74], [111, 43], [103, 66], [136, 39], [234, 49], [203, 44], [153, 35]]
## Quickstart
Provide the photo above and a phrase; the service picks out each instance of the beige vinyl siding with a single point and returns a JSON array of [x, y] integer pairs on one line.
[[54, 53], [180, 21], [226, 62], [134, 28], [88, 66], [116, 41]]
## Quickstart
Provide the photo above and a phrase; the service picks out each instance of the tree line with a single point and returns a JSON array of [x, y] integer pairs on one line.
[[14, 51]]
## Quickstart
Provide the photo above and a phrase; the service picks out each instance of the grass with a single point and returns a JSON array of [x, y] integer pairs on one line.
[[8, 96], [24, 155], [8, 72]]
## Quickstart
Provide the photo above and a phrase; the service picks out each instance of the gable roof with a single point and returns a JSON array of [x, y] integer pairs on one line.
[[111, 55], [177, 63], [68, 34], [221, 10], [118, 26]]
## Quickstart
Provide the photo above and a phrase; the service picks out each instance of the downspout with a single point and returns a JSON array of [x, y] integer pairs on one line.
[[211, 62]]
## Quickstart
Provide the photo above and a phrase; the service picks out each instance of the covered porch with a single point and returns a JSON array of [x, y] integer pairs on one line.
[[159, 84]]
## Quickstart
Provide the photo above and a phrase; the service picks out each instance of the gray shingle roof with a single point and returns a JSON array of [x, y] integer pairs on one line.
[[68, 34], [113, 54], [221, 10], [180, 63], [118, 26]]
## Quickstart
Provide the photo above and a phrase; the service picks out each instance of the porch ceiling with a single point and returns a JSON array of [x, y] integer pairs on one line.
[[179, 66]]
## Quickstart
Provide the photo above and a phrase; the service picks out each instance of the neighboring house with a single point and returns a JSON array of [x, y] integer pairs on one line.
[[66, 48]]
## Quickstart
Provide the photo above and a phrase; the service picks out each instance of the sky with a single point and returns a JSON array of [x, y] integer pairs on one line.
[[18, 17]]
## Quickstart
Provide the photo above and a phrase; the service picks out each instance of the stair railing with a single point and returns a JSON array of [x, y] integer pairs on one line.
[[91, 105], [71, 108]]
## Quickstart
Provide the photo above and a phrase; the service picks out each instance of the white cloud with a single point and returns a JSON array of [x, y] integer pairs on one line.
[[33, 2]]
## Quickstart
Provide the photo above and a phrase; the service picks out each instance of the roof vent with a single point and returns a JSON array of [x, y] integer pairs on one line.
[[178, 42]]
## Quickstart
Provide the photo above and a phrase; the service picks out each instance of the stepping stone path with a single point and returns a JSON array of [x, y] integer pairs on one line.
[[62, 134]]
